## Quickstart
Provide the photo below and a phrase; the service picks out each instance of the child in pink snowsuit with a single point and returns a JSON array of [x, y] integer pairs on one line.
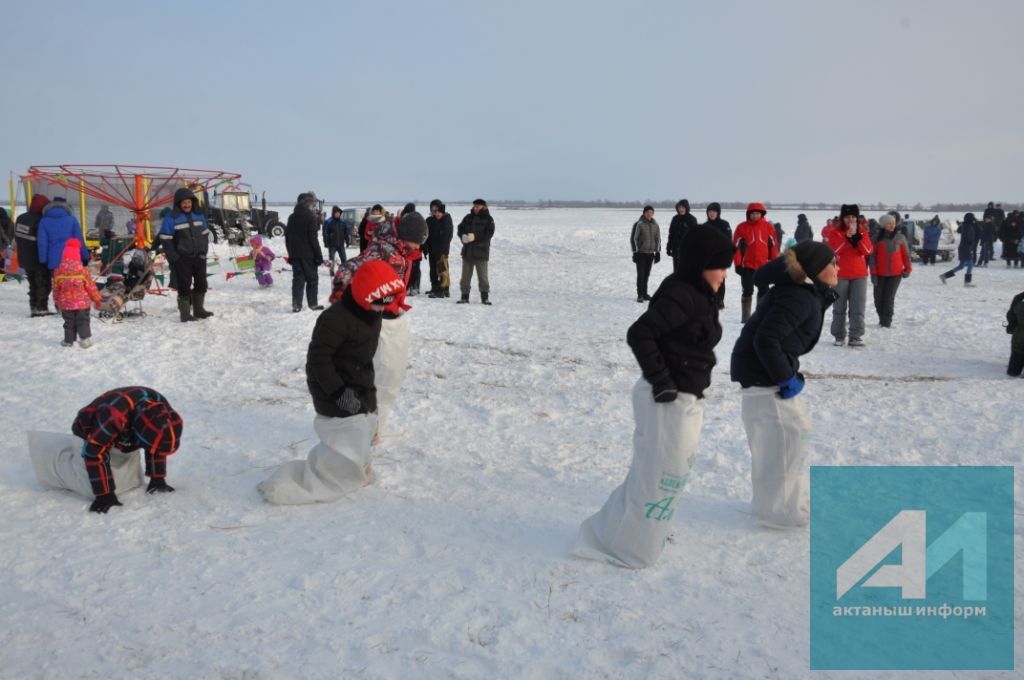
[[262, 257], [73, 291]]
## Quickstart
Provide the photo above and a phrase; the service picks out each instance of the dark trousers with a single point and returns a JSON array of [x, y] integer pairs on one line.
[[644, 264], [40, 284], [414, 277], [340, 252], [304, 275], [439, 278], [1016, 365], [885, 297], [747, 281], [928, 256], [76, 322], [190, 275]]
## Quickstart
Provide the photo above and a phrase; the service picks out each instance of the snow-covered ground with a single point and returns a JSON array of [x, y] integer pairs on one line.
[[514, 424]]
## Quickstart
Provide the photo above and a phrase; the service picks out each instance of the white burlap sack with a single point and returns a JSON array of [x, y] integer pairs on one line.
[[58, 464], [631, 529], [389, 365], [778, 431], [334, 468]]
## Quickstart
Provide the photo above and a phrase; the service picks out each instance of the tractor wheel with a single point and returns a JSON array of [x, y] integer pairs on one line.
[[277, 231]]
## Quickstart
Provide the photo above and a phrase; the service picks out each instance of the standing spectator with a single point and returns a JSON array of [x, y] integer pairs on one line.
[[1015, 326], [399, 247], [55, 228], [681, 223], [105, 222], [673, 342], [990, 211], [304, 254], [804, 232], [1010, 234], [185, 239], [852, 245], [930, 237], [336, 235], [476, 230], [6, 230], [341, 378], [440, 230], [645, 239], [414, 277], [766, 364], [756, 245], [73, 293], [968, 231], [780, 234], [374, 217], [890, 264], [715, 221], [26, 233], [987, 238]]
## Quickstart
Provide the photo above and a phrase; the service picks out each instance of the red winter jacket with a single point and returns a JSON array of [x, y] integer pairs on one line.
[[73, 288], [852, 259], [756, 242], [891, 257]]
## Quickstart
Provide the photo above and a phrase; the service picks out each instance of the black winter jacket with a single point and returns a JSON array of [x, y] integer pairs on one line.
[[340, 355], [301, 236], [481, 226], [439, 235], [786, 325], [677, 229], [26, 231], [721, 226]]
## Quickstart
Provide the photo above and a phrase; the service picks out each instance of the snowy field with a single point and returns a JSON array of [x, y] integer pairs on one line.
[[513, 426]]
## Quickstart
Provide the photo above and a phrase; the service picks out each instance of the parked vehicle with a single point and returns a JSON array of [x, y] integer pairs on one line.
[[232, 215]]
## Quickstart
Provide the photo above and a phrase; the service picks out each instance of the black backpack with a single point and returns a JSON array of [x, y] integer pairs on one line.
[[1011, 318]]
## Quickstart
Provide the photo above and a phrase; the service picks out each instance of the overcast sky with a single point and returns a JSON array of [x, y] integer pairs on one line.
[[780, 101]]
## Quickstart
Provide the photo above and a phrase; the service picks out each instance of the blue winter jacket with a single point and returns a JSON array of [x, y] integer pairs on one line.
[[932, 234], [336, 233], [181, 237], [55, 228]]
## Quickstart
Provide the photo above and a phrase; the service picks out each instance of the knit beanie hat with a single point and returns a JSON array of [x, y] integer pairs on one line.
[[851, 209], [375, 283], [813, 256], [714, 206], [412, 228], [72, 250]]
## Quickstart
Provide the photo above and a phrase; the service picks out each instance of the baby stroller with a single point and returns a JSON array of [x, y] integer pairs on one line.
[[118, 291]]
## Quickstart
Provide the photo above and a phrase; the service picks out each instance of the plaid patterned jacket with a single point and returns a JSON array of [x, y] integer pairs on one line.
[[127, 418]]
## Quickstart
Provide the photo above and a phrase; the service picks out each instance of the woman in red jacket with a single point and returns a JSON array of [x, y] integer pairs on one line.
[[756, 245], [852, 245], [890, 264]]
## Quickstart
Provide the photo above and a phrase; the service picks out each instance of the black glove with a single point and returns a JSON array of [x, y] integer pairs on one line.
[[159, 486], [664, 392], [636, 257], [905, 274], [349, 402], [874, 280], [657, 258], [855, 239], [104, 502]]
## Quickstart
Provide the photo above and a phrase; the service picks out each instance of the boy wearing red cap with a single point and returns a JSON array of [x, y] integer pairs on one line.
[[73, 289], [341, 379]]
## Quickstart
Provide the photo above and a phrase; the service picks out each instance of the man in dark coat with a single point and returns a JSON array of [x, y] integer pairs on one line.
[[185, 238], [681, 223], [968, 231], [437, 247], [26, 231], [476, 230], [304, 254], [336, 235], [715, 221], [803, 232]]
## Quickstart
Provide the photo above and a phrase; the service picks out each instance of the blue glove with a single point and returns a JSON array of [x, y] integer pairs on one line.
[[792, 387]]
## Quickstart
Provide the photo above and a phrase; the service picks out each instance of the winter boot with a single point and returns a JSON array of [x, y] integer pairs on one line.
[[943, 277], [484, 298], [967, 281], [447, 293], [1016, 365], [185, 309], [463, 300], [435, 294], [745, 304], [197, 306]]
